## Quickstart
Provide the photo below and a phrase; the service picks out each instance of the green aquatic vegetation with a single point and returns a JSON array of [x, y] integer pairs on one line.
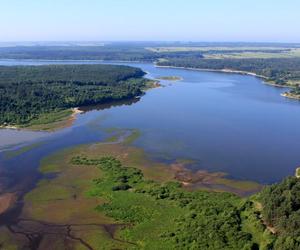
[[165, 216], [22, 150], [6, 240], [134, 135], [46, 191], [125, 136]]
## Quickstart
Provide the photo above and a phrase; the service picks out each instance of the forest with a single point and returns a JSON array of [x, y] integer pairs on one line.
[[26, 92], [112, 52], [279, 70], [281, 210]]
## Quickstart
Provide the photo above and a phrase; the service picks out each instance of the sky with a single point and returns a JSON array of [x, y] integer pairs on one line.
[[150, 20]]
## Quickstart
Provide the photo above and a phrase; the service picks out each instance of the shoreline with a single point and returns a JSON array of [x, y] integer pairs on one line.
[[152, 84], [119, 144], [76, 111], [265, 79], [69, 118], [7, 201], [290, 96], [297, 174], [216, 70]]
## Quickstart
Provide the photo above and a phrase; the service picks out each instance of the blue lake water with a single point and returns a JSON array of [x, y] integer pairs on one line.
[[224, 122]]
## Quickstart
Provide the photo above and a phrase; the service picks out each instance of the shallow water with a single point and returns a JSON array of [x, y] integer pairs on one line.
[[224, 122]]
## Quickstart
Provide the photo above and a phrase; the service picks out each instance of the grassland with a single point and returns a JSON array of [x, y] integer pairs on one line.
[[255, 54], [52, 121], [234, 52]]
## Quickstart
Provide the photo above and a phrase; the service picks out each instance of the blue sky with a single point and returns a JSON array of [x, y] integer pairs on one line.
[[187, 20]]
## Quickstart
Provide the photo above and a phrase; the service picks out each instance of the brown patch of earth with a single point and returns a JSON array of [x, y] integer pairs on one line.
[[7, 201], [216, 181]]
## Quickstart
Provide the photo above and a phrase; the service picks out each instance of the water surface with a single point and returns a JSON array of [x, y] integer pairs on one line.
[[224, 122]]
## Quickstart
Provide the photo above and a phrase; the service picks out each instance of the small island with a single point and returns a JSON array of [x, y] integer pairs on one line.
[[170, 78]]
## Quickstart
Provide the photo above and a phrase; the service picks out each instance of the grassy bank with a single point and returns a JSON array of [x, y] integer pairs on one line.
[[52, 121]]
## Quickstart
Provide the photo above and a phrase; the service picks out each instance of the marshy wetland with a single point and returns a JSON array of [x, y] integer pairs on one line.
[[213, 131]]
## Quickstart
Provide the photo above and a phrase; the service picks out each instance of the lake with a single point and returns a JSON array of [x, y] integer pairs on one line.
[[223, 122]]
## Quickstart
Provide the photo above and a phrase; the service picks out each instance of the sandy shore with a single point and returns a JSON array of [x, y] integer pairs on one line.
[[76, 111], [290, 96], [9, 127], [297, 174]]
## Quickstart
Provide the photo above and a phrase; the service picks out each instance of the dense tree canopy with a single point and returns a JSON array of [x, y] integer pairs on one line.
[[27, 91], [281, 210], [113, 52]]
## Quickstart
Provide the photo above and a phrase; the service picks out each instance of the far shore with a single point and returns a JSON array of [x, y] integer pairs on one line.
[[266, 81], [216, 70]]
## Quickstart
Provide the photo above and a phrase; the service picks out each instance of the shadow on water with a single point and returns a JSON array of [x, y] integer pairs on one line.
[[109, 105]]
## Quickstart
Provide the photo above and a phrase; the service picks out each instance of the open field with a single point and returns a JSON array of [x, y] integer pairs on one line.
[[234, 52], [228, 55], [205, 48]]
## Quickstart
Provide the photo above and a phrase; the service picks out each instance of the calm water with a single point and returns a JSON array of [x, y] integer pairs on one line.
[[224, 122]]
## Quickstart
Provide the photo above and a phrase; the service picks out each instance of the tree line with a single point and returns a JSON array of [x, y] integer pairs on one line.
[[281, 210], [28, 91], [279, 70]]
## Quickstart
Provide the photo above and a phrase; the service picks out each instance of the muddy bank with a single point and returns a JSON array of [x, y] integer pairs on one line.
[[213, 181], [7, 201]]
